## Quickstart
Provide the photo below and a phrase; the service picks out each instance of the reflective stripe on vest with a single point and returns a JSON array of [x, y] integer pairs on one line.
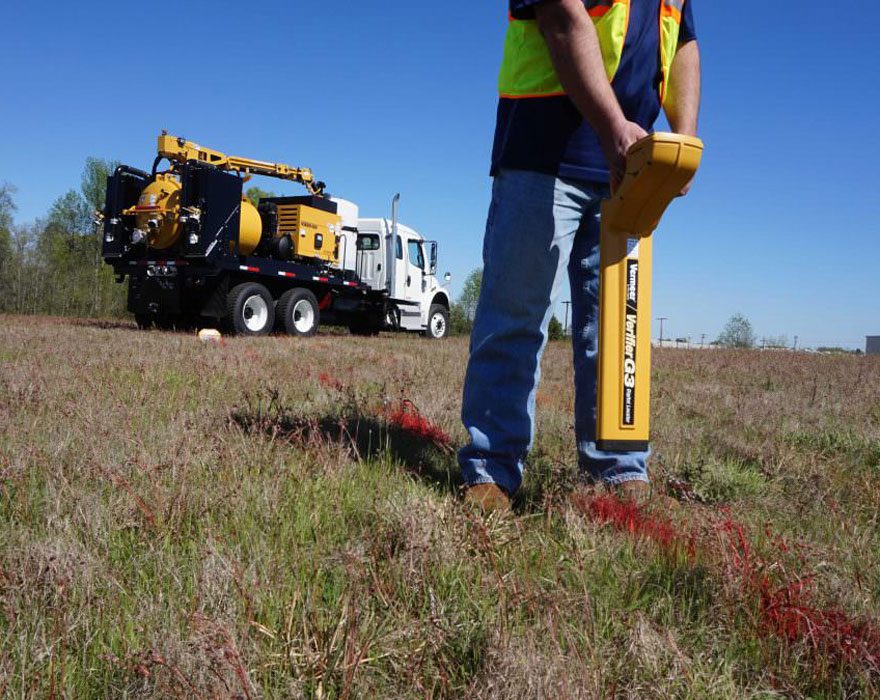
[[527, 69], [670, 26]]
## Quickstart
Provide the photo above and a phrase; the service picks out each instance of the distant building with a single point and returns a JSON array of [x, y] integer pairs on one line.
[[872, 345]]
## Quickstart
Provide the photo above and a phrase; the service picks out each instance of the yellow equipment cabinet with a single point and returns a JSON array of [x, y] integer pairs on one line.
[[310, 224], [657, 168], [312, 231]]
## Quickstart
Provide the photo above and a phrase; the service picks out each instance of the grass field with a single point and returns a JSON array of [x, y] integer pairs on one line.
[[272, 518]]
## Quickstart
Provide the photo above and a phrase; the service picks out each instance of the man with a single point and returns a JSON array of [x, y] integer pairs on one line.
[[581, 81]]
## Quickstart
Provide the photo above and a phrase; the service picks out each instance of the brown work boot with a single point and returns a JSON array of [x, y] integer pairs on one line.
[[637, 492], [640, 493], [487, 498]]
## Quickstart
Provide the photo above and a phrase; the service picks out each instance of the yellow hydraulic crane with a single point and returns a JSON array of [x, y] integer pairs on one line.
[[657, 168], [180, 150]]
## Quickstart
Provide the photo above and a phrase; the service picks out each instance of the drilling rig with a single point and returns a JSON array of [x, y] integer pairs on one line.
[[197, 252]]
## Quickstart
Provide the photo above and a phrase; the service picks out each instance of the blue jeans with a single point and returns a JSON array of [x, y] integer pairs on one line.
[[538, 226]]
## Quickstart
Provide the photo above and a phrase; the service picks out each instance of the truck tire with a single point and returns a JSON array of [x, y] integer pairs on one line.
[[298, 312], [438, 322], [250, 310], [144, 321]]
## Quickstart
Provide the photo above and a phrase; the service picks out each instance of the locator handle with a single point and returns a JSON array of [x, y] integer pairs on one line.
[[657, 168]]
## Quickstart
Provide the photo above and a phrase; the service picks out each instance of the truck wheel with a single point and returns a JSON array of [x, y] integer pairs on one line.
[[249, 310], [438, 322], [298, 312]]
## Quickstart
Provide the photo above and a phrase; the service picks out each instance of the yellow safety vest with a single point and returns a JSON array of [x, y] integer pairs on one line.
[[527, 69]]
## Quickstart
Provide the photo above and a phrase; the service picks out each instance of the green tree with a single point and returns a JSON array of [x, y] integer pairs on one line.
[[106, 295], [255, 194], [54, 265], [459, 324], [93, 184], [20, 280], [7, 207], [555, 330], [470, 294], [737, 333], [68, 251]]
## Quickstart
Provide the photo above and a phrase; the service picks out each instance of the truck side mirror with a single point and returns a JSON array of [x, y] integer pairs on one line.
[[447, 277], [433, 257]]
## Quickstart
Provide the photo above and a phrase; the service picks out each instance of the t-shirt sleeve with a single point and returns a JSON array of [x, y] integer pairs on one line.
[[687, 32], [524, 9]]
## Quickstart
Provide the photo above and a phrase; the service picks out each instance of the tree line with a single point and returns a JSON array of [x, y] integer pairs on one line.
[[53, 265], [461, 315]]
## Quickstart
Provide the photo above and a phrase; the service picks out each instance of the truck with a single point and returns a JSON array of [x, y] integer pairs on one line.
[[196, 252]]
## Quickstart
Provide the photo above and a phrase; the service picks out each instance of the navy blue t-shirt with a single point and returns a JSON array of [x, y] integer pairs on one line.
[[549, 135]]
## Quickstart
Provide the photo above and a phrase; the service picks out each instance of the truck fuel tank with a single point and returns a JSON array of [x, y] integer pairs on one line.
[[251, 228]]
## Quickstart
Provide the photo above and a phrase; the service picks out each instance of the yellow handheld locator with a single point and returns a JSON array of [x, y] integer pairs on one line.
[[657, 168]]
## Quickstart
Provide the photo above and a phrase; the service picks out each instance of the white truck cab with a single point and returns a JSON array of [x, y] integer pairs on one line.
[[407, 270]]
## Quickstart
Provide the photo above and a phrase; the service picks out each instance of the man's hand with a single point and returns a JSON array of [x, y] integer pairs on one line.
[[616, 143]]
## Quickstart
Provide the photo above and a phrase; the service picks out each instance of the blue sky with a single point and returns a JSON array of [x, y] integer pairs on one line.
[[782, 224]]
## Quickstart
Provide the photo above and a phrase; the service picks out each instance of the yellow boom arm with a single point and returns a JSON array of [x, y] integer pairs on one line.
[[180, 151], [657, 168]]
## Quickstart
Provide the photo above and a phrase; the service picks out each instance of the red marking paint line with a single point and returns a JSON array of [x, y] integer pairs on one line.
[[785, 609], [321, 279], [407, 417], [287, 274], [246, 268], [628, 517]]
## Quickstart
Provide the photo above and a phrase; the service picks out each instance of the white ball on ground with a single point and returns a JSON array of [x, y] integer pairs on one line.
[[210, 335]]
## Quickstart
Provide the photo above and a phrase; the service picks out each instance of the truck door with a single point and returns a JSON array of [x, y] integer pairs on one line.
[[370, 260], [415, 271], [411, 278]]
